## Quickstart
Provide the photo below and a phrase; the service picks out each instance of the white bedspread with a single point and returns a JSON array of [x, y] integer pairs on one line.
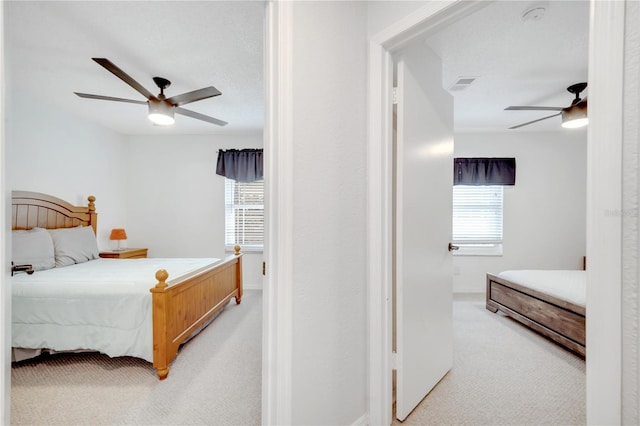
[[567, 285], [102, 305]]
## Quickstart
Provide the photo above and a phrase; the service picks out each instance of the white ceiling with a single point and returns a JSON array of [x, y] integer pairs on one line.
[[192, 44], [196, 44], [516, 62]]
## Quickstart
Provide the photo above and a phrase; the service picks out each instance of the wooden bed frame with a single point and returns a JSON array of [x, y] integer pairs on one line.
[[180, 306], [557, 319]]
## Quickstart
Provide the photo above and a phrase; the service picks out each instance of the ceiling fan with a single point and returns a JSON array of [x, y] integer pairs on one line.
[[573, 116], [161, 108]]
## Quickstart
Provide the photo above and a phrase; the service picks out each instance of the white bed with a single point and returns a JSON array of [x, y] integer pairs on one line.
[[567, 285], [72, 300], [102, 305]]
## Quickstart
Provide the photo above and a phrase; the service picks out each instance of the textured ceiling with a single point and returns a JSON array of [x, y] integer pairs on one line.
[[201, 43], [192, 44], [515, 61]]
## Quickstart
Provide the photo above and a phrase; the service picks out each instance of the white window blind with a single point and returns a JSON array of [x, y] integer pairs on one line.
[[477, 219], [244, 214]]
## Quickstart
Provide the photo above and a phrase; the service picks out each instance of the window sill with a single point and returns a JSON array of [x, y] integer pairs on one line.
[[478, 254], [475, 250], [244, 249]]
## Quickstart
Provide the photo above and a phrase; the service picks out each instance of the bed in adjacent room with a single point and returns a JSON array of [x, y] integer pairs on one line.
[[551, 302], [72, 300]]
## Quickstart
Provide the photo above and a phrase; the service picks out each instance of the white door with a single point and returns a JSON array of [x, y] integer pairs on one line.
[[424, 179]]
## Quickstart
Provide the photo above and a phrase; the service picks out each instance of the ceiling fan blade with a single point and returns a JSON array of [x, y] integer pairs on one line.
[[111, 67], [109, 98], [199, 116], [534, 121], [196, 95], [532, 108]]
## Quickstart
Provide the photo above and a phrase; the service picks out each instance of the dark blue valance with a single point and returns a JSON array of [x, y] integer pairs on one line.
[[242, 165], [484, 171]]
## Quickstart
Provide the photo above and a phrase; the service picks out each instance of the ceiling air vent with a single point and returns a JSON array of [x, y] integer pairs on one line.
[[462, 83]]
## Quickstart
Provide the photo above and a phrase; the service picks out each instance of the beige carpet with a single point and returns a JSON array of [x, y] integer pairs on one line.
[[216, 379], [503, 374]]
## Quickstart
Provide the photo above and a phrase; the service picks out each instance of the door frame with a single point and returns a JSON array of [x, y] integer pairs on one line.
[[605, 143], [606, 55], [5, 252], [382, 46], [277, 333]]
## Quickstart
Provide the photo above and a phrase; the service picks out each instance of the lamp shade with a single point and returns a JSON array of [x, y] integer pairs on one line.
[[161, 112], [118, 234]]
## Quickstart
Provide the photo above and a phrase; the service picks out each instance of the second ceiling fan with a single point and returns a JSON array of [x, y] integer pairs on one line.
[[574, 115], [161, 108]]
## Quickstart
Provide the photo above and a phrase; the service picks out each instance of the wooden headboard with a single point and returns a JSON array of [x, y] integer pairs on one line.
[[33, 209]]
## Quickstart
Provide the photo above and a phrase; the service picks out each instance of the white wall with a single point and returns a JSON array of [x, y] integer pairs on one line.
[[175, 200], [382, 13], [328, 109], [544, 213], [148, 185], [51, 151]]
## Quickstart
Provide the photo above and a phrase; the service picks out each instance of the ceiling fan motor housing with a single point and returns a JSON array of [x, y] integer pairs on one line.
[[575, 116]]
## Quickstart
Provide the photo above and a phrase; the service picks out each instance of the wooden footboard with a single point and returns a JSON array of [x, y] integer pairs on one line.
[[557, 319], [183, 305]]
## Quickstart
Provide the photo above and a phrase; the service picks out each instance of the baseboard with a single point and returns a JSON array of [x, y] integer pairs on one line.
[[469, 290], [252, 286], [474, 295]]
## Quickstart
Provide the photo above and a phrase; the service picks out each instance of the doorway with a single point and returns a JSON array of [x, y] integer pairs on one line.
[[66, 140], [603, 262]]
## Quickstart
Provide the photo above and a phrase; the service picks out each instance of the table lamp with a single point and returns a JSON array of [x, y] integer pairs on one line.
[[118, 234]]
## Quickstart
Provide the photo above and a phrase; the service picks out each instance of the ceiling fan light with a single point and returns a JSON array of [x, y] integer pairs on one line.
[[575, 116], [574, 124], [161, 113]]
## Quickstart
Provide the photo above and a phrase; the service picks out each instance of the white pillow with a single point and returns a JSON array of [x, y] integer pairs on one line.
[[33, 247], [74, 245]]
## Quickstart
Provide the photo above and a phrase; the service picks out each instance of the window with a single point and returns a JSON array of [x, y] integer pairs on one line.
[[477, 219], [244, 215]]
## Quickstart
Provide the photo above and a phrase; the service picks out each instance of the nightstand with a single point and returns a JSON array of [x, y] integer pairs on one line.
[[129, 253]]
